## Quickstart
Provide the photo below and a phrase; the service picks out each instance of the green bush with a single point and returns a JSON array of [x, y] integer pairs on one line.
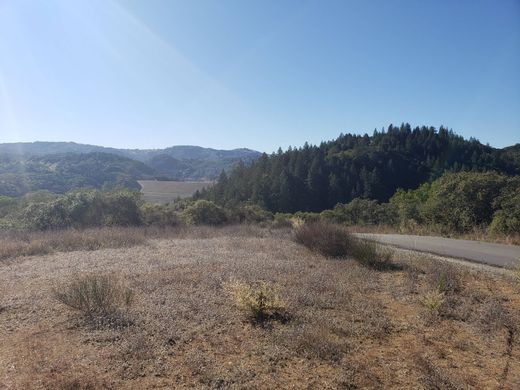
[[80, 209], [204, 212], [250, 213], [463, 201], [158, 215], [506, 218]]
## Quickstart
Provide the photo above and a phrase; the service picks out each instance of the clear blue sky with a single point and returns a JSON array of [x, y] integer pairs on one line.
[[257, 74]]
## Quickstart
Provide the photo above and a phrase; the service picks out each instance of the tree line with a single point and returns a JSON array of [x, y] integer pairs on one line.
[[317, 177]]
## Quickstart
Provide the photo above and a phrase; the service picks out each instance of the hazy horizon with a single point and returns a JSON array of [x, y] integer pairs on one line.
[[257, 75]]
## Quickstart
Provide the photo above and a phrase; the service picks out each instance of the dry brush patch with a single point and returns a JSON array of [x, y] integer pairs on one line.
[[351, 326]]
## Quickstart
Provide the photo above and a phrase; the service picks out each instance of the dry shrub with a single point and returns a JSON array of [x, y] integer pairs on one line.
[[332, 240], [328, 239], [100, 298], [261, 301], [495, 315], [372, 255], [445, 278]]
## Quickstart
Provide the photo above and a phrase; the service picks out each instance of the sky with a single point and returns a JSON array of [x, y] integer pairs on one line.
[[255, 73]]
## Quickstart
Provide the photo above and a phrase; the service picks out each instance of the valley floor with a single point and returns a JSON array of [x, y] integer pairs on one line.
[[349, 326]]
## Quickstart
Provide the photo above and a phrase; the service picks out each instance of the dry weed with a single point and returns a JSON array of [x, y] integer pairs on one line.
[[100, 298], [261, 301]]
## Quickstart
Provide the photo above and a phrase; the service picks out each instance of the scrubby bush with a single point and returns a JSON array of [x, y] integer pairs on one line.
[[282, 220], [462, 201], [328, 239], [99, 297], [260, 301], [307, 217], [372, 255], [158, 215], [251, 213], [445, 278], [204, 212], [81, 209], [506, 219], [409, 204]]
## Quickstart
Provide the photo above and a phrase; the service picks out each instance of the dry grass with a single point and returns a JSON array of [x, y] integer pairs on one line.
[[15, 244], [351, 326], [156, 191]]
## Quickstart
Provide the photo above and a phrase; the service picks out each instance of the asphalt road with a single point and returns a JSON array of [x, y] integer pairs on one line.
[[498, 255]]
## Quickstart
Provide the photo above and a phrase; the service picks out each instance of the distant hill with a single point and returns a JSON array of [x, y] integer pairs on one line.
[[180, 152], [314, 178], [63, 172], [60, 166]]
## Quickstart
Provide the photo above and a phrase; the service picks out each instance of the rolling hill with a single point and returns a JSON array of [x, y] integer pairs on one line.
[[61, 166]]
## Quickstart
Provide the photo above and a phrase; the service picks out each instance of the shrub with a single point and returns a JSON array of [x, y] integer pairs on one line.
[[204, 212], [99, 297], [260, 301], [325, 238], [251, 213], [372, 255], [462, 201], [80, 209], [158, 215], [506, 220], [445, 278], [282, 220]]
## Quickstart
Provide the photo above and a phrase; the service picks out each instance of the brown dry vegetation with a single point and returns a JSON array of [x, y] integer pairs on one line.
[[156, 191], [348, 326]]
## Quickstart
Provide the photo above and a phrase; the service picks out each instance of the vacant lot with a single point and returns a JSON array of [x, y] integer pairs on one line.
[[424, 324], [155, 191]]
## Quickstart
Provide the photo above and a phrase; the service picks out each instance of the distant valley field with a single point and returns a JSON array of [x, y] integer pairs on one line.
[[156, 191]]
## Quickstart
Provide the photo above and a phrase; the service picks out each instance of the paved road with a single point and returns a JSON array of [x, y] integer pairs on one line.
[[498, 255]]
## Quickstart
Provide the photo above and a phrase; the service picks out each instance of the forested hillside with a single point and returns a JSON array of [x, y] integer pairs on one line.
[[63, 172], [181, 162], [62, 166], [314, 178]]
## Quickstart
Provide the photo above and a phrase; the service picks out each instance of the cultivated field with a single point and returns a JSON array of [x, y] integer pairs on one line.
[[334, 324], [156, 191]]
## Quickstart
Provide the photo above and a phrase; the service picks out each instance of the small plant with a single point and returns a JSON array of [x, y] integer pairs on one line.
[[98, 297], [260, 301], [433, 301], [445, 278]]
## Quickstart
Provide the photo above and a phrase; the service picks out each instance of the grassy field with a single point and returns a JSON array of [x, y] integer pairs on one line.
[[155, 191], [334, 323]]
